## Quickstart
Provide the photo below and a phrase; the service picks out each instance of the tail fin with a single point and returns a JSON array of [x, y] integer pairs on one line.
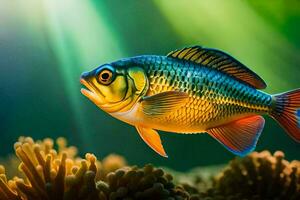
[[287, 112]]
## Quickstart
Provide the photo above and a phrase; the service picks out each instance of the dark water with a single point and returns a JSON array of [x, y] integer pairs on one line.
[[46, 45]]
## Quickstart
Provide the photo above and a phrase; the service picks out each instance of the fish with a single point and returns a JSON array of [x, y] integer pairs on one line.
[[191, 90]]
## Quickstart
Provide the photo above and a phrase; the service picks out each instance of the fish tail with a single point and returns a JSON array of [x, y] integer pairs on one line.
[[286, 112]]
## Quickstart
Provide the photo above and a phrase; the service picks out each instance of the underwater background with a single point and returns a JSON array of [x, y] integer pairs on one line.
[[46, 44]]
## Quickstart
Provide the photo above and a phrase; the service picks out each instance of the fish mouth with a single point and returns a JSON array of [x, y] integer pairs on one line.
[[89, 92]]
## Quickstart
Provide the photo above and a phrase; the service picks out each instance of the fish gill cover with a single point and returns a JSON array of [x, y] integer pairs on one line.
[[41, 172]]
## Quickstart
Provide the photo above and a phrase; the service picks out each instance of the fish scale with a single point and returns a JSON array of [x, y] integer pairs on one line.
[[214, 96]]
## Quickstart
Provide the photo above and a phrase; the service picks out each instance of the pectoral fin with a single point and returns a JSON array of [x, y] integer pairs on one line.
[[239, 137], [153, 140], [162, 103]]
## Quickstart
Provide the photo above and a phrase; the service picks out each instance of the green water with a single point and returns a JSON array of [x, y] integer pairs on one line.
[[45, 45]]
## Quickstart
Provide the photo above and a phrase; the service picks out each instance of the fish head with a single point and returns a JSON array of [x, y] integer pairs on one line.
[[115, 88]]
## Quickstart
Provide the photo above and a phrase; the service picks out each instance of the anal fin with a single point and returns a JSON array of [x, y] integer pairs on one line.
[[241, 136], [152, 139]]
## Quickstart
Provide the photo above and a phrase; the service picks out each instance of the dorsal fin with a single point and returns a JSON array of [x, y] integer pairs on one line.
[[220, 61]]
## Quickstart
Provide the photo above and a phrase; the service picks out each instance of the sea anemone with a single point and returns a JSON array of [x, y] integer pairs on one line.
[[259, 176]]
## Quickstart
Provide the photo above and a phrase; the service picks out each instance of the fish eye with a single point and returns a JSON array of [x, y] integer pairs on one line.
[[105, 77]]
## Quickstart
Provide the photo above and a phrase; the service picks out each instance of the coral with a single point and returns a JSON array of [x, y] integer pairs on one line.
[[198, 179], [145, 183], [12, 163], [50, 174], [111, 163], [47, 174], [259, 176]]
